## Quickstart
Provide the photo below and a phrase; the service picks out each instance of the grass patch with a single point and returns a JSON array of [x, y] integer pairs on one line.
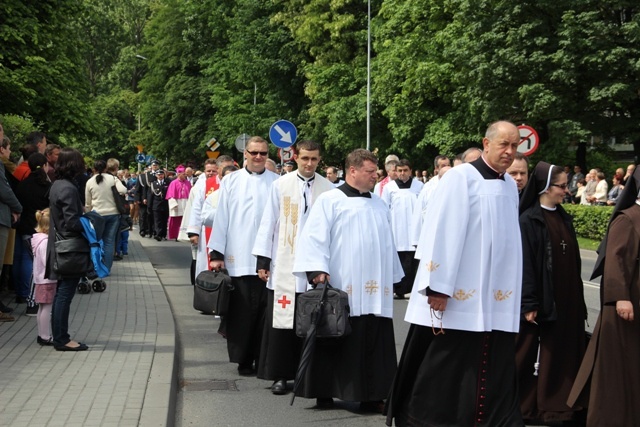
[[589, 244]]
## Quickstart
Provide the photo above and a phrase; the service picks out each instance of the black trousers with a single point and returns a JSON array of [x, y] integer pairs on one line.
[[143, 219], [160, 218], [245, 319], [150, 225]]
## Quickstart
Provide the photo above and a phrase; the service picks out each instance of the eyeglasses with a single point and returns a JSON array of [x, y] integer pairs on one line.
[[563, 186], [255, 153], [434, 314]]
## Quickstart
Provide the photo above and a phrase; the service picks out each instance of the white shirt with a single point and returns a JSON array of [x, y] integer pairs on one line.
[[268, 238], [350, 239], [470, 249], [243, 197], [402, 203]]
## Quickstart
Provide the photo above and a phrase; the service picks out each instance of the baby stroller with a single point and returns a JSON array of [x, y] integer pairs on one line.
[[93, 225]]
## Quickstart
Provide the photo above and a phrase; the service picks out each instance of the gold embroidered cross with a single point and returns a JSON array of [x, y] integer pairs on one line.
[[230, 259], [501, 296], [432, 266], [349, 289], [371, 287], [386, 291], [461, 295]]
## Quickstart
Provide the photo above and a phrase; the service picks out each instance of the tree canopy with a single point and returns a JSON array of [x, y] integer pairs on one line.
[[168, 75]]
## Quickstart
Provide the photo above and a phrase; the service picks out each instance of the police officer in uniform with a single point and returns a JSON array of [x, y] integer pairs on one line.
[[141, 198], [159, 205]]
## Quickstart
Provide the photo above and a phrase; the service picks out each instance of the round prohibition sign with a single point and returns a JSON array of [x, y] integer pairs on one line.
[[529, 140], [286, 154]]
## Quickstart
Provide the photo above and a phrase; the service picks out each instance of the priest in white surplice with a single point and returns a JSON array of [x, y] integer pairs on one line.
[[401, 196], [197, 233], [243, 197], [348, 241], [458, 363], [283, 220], [418, 214]]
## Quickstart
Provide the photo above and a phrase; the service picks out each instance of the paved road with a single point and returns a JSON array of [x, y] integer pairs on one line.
[[210, 391]]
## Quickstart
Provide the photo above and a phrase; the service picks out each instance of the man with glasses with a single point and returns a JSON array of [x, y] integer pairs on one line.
[[458, 362], [243, 198]]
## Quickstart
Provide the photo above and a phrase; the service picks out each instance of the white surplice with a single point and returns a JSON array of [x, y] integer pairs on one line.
[[419, 211], [195, 225], [470, 249], [350, 239], [243, 197], [401, 202], [277, 238]]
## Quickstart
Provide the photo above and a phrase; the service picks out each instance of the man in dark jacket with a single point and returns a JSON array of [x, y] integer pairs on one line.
[[159, 205], [140, 196]]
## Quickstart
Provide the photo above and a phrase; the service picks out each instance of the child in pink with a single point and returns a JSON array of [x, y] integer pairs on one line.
[[45, 288]]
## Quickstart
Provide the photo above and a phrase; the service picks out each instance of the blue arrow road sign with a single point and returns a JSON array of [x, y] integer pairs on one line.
[[140, 158], [283, 134]]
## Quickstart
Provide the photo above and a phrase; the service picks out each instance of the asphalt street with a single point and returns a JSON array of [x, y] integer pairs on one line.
[[211, 392]]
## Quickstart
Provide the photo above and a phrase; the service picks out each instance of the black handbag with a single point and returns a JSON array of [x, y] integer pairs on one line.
[[72, 256], [121, 203], [212, 292], [327, 306]]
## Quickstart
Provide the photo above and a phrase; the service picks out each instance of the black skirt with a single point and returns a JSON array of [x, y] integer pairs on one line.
[[245, 319], [359, 367], [460, 378], [280, 348]]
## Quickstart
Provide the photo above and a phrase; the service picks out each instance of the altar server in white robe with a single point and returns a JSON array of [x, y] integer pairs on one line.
[[243, 198], [196, 231], [401, 195], [348, 241], [419, 212], [210, 205], [284, 217], [458, 363]]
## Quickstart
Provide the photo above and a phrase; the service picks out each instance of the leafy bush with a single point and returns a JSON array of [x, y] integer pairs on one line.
[[590, 221]]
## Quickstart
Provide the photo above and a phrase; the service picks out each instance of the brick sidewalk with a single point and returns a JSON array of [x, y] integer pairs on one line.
[[126, 378]]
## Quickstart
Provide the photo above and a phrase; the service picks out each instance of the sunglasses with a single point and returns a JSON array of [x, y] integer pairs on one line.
[[255, 153]]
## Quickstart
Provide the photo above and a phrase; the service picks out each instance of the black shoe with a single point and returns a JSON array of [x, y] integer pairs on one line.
[[21, 300], [246, 369], [142, 234], [279, 387], [32, 311], [44, 342], [158, 238], [117, 257], [5, 309], [399, 296], [324, 402], [80, 347]]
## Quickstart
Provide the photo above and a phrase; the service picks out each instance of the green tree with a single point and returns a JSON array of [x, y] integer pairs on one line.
[[41, 73]]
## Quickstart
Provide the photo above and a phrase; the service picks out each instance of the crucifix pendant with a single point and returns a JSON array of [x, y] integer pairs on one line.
[[564, 247]]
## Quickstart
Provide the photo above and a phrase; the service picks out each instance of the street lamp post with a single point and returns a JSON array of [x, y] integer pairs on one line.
[[368, 74]]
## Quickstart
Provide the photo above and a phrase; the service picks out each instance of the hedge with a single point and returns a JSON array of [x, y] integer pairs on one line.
[[590, 221]]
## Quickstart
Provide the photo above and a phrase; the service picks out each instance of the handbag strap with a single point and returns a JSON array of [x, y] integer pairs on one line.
[[321, 301]]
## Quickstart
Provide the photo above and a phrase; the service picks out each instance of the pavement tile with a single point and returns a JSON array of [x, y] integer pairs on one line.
[[130, 332]]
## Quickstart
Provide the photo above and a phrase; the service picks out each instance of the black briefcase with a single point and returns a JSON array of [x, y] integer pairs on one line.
[[328, 308], [212, 291]]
